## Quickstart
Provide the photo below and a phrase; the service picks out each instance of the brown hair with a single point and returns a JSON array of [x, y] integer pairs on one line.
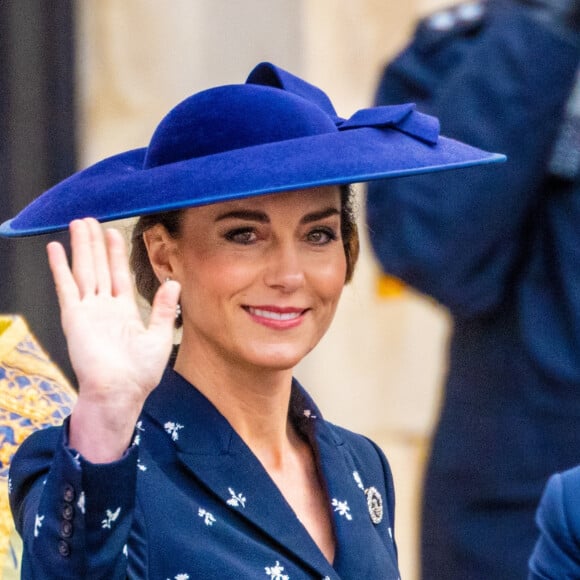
[[147, 282]]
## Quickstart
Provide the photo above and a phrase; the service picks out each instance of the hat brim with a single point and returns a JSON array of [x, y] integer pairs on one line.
[[119, 187]]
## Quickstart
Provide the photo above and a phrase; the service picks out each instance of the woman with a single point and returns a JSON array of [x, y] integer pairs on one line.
[[219, 463]]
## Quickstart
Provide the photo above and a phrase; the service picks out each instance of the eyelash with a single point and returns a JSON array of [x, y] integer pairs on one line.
[[234, 235], [328, 232]]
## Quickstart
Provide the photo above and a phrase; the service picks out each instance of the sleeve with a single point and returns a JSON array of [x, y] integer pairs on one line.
[[557, 551], [74, 517], [457, 235]]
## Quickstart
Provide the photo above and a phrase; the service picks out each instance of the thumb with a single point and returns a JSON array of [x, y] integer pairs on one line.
[[164, 306]]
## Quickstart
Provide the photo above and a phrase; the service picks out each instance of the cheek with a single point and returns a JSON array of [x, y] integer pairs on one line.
[[330, 279], [211, 280]]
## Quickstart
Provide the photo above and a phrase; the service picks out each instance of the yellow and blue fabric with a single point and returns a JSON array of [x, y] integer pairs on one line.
[[34, 394]]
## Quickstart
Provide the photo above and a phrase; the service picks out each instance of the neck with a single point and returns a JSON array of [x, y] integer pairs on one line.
[[254, 400]]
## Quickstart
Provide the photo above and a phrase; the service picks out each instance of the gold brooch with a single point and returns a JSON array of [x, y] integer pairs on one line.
[[375, 504]]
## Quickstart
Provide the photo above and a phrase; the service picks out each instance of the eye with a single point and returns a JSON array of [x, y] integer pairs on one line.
[[322, 236], [244, 236]]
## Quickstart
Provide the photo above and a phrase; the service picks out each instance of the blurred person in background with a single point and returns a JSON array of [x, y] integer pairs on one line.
[[500, 251]]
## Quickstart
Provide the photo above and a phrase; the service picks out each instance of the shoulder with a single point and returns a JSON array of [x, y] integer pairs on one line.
[[464, 19], [556, 554], [561, 496], [361, 447], [562, 487], [439, 42], [367, 459]]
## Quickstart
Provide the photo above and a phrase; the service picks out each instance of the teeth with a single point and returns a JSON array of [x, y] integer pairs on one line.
[[274, 315]]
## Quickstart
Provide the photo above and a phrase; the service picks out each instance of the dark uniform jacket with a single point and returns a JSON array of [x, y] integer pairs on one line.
[[189, 500], [500, 248]]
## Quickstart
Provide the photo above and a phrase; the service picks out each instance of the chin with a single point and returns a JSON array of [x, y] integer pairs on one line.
[[279, 359]]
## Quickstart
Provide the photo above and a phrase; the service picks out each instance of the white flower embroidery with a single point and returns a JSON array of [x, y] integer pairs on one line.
[[111, 517], [309, 415], [326, 578], [139, 429], [358, 480], [180, 577], [275, 572], [173, 428], [77, 460], [342, 508], [208, 518], [81, 502], [9, 485], [37, 524], [125, 551], [390, 533], [236, 500], [141, 466]]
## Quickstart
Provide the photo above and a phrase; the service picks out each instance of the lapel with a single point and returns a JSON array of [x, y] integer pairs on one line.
[[210, 449], [360, 551]]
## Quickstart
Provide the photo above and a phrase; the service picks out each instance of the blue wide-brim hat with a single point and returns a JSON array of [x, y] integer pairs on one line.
[[274, 133]]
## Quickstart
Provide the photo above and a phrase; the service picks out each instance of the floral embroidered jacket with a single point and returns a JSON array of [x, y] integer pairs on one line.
[[189, 500]]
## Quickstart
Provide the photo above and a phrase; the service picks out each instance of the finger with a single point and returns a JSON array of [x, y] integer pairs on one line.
[[162, 319], [82, 258], [66, 288], [100, 258], [121, 280]]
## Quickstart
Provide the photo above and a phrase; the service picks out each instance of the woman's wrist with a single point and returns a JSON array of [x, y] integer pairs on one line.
[[102, 433]]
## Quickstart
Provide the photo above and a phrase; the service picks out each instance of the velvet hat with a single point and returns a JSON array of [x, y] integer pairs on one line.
[[275, 132]]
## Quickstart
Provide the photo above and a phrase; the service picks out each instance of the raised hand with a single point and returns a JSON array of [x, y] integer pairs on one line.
[[117, 359]]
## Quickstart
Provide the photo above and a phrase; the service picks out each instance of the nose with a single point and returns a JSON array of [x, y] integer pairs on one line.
[[285, 268]]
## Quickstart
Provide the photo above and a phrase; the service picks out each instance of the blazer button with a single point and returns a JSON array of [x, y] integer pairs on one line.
[[68, 492], [68, 511], [66, 529], [63, 549]]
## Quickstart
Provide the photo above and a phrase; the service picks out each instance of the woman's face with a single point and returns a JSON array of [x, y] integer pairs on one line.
[[261, 277]]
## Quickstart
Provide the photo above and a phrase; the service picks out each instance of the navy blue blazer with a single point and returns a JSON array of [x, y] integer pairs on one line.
[[190, 500], [557, 552]]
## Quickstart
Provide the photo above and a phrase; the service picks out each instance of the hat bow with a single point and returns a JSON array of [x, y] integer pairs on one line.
[[404, 118]]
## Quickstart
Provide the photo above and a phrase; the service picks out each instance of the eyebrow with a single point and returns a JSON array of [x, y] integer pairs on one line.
[[262, 217]]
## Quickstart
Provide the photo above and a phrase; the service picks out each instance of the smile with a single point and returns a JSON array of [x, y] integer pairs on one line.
[[273, 315], [277, 318]]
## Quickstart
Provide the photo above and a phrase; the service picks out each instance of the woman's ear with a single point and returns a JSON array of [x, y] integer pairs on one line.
[[161, 251]]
